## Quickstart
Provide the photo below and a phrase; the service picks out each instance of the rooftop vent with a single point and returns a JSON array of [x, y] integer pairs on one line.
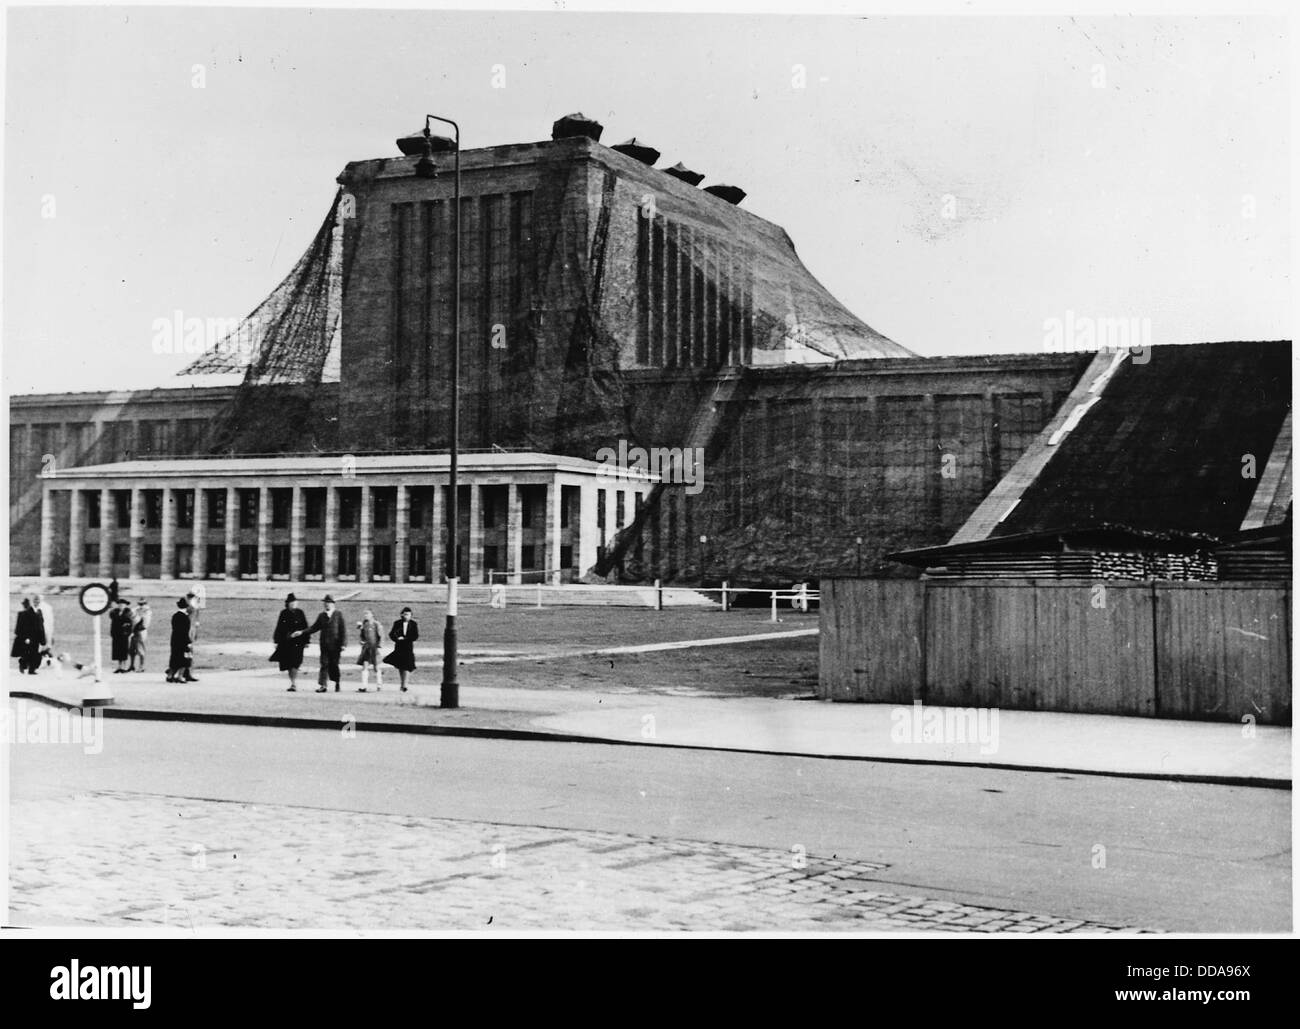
[[638, 151], [577, 125], [680, 171], [731, 194], [413, 145]]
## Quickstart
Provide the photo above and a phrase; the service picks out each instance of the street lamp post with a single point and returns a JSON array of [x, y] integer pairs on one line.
[[426, 169]]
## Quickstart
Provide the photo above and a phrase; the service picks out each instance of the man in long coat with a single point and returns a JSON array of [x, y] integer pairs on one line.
[[333, 637]]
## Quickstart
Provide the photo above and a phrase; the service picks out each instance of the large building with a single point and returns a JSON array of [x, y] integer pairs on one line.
[[607, 306]]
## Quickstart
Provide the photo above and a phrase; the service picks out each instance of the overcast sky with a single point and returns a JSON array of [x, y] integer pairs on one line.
[[1121, 168]]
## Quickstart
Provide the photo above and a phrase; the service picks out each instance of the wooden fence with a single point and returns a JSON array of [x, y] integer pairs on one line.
[[1216, 651]]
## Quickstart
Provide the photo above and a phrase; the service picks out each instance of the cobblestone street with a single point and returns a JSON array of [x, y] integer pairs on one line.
[[135, 860]]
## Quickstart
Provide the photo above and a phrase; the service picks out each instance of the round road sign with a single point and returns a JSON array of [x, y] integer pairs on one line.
[[95, 598]]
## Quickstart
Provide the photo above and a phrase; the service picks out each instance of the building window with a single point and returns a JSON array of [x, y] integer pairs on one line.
[[122, 500], [417, 510], [313, 561], [184, 500], [528, 556], [564, 510], [315, 508], [490, 559], [153, 553], [216, 560], [620, 501], [281, 506], [121, 554], [525, 508], [92, 510], [381, 510], [152, 508], [280, 559], [383, 561], [347, 509], [248, 559], [600, 509], [184, 559], [566, 556], [248, 502], [489, 509], [216, 510], [90, 555], [347, 559], [418, 565]]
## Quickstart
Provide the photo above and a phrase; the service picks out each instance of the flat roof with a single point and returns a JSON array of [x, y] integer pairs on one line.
[[361, 464]]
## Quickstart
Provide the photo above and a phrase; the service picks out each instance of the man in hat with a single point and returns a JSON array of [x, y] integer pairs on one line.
[[178, 663], [290, 640], [333, 637]]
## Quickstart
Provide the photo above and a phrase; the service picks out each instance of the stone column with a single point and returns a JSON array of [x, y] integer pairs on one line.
[[137, 534], [401, 526], [47, 531], [264, 533], [438, 568], [297, 524], [331, 533], [167, 561], [107, 525], [587, 529], [475, 562], [199, 535], [76, 534], [514, 535], [553, 495], [232, 533], [365, 538]]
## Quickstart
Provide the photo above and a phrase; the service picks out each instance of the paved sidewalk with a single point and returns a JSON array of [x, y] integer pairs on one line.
[[1146, 747], [147, 862]]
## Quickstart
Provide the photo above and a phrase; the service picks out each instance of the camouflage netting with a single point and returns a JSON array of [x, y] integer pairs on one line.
[[604, 302]]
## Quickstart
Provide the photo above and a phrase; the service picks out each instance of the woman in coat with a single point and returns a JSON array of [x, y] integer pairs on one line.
[[178, 664], [404, 634], [119, 633], [29, 638], [290, 640], [368, 659]]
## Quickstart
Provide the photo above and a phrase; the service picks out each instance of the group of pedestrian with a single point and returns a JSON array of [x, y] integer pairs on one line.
[[292, 634], [33, 634], [128, 633]]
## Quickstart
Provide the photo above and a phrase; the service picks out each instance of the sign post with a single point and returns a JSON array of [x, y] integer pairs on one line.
[[95, 599]]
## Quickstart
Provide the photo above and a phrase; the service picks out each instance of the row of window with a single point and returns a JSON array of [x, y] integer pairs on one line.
[[313, 559]]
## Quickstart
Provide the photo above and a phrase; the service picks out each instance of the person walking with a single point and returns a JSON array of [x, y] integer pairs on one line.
[[47, 620], [140, 623], [404, 633], [368, 659], [290, 640], [333, 637], [178, 663], [193, 605], [29, 638], [119, 633]]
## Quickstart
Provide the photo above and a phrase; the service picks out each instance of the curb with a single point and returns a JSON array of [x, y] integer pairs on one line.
[[543, 736]]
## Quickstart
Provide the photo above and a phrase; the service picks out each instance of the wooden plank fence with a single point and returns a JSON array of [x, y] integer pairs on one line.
[[1218, 651]]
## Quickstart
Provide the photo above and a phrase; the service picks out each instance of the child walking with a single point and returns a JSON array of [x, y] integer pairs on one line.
[[368, 659]]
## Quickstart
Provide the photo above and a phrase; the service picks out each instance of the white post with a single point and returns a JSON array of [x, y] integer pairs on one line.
[[659, 595], [724, 594], [774, 605], [539, 594]]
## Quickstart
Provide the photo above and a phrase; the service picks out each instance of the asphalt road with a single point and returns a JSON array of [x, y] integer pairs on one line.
[[1177, 857]]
